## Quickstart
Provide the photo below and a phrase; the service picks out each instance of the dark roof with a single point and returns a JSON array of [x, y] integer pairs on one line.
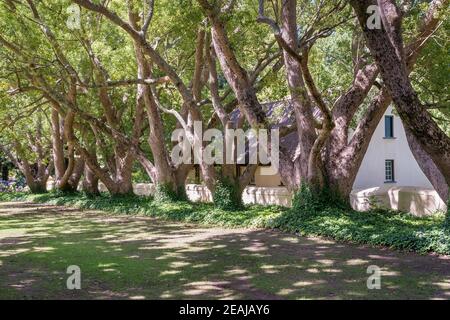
[[279, 113], [289, 144]]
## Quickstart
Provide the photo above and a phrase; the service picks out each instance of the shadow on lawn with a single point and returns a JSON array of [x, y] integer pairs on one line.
[[138, 257]]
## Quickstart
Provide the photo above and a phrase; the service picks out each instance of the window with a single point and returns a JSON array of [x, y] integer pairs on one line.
[[389, 127], [238, 171], [253, 180], [197, 179], [389, 171]]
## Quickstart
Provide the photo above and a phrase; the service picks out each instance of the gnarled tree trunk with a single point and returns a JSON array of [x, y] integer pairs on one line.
[[67, 175], [386, 46]]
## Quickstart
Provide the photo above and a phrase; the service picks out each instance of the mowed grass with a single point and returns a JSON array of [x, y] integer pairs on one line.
[[138, 257], [400, 231]]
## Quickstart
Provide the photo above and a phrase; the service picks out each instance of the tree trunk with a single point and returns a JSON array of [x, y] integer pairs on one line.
[[343, 159], [343, 167], [90, 182], [299, 95], [386, 46], [235, 75], [5, 172], [57, 145], [428, 167], [163, 175], [66, 177], [36, 180]]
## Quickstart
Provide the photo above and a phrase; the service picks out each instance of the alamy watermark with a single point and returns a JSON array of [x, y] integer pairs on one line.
[[73, 22], [232, 149], [74, 280], [374, 20], [236, 147], [374, 280]]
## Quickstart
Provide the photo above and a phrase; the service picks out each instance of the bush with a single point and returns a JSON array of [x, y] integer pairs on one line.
[[59, 193], [10, 186], [447, 216], [304, 202], [227, 196], [166, 193], [307, 201]]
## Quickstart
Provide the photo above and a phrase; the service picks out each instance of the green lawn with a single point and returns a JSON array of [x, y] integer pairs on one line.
[[378, 228], [136, 257]]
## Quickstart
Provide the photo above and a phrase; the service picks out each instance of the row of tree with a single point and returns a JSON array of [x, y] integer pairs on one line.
[[90, 99]]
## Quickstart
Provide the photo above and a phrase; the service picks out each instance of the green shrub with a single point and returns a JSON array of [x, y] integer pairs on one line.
[[59, 193], [447, 216], [308, 201], [166, 193], [227, 196], [304, 202]]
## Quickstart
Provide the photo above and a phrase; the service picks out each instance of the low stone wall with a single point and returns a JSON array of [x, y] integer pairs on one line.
[[251, 195], [198, 193], [144, 189], [418, 201], [140, 189], [267, 196], [50, 184]]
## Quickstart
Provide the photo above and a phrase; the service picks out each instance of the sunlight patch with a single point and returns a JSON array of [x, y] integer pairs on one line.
[[169, 272], [202, 287], [7, 253], [235, 271], [326, 262], [308, 283], [12, 233], [271, 269], [356, 262], [290, 239], [43, 249], [179, 264], [445, 285], [201, 265], [285, 292]]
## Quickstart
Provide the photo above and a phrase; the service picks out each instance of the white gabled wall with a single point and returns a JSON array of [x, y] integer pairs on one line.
[[411, 192], [407, 171]]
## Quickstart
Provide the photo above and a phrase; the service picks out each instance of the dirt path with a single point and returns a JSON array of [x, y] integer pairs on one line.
[[126, 257]]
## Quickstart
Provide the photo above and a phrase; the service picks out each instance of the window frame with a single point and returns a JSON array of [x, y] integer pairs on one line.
[[392, 171], [253, 180], [391, 122], [197, 175]]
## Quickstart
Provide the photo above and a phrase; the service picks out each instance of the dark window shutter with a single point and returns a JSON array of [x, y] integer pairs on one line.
[[388, 126]]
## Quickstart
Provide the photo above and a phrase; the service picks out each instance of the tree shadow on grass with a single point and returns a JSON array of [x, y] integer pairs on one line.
[[144, 258]]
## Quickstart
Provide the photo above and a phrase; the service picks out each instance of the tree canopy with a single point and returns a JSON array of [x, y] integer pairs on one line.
[[93, 90]]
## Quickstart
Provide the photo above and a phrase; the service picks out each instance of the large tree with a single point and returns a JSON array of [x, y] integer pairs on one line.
[[116, 88], [387, 48]]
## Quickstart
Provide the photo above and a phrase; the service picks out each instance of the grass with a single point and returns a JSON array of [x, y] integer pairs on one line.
[[378, 228], [136, 257]]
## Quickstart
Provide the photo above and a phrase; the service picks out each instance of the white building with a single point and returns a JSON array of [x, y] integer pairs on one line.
[[389, 161], [389, 175]]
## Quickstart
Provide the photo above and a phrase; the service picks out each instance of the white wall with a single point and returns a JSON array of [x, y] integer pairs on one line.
[[418, 201], [407, 171], [263, 180], [412, 192]]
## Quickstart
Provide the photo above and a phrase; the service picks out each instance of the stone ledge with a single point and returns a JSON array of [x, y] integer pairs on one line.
[[418, 201]]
